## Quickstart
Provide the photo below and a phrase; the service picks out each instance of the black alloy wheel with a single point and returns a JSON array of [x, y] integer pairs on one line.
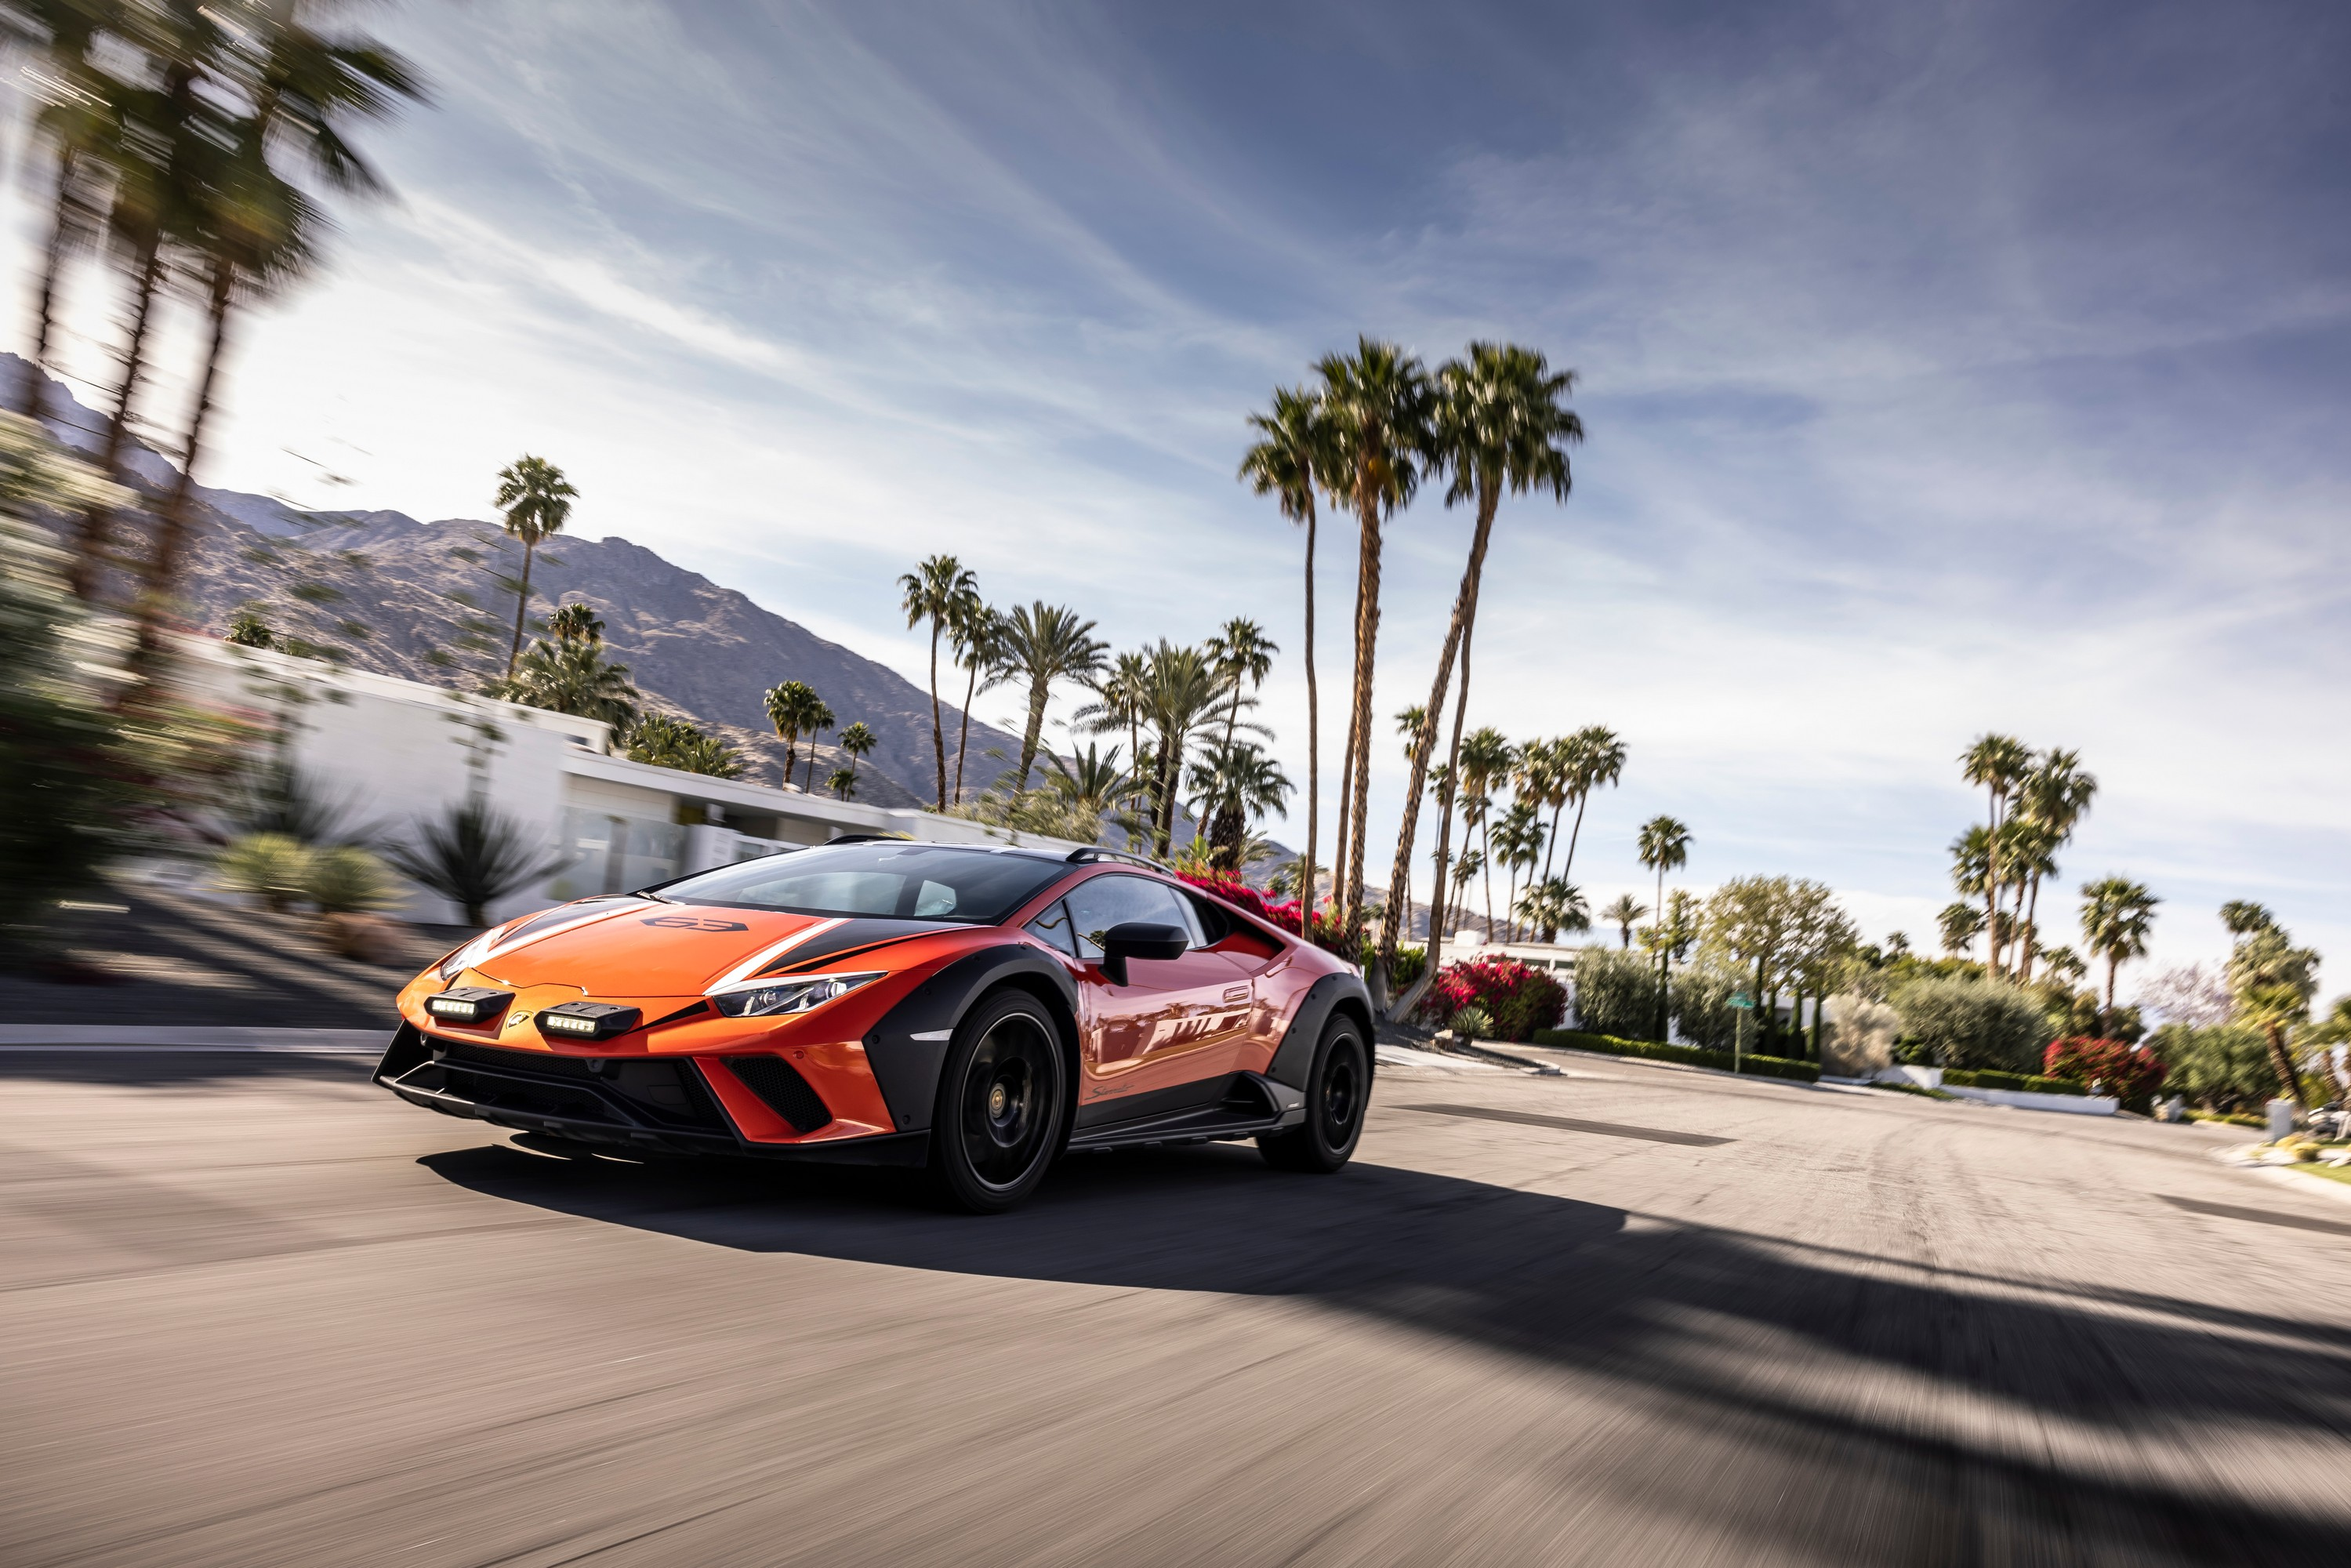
[[1338, 1092], [1001, 1098]]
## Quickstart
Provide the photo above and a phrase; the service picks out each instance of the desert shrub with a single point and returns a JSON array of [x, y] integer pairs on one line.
[[2131, 1074], [1474, 1021], [273, 867], [347, 879], [1700, 995], [1616, 992], [2221, 1067], [1518, 998], [1973, 1024]]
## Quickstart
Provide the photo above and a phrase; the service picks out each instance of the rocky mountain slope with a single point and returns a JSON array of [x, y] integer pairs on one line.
[[433, 601]]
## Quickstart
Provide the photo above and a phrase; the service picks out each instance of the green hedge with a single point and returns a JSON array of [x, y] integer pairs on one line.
[[2015, 1082], [1688, 1055]]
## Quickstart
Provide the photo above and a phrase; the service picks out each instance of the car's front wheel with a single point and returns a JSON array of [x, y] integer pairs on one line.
[[1000, 1104], [1338, 1092]]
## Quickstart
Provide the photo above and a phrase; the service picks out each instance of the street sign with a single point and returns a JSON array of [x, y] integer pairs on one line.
[[1742, 1000]]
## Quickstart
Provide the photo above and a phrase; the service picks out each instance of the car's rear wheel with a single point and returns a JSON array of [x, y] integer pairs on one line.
[[1338, 1092], [999, 1111]]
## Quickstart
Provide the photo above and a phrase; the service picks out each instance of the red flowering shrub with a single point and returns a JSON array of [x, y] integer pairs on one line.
[[2128, 1072], [1518, 998], [1283, 916]]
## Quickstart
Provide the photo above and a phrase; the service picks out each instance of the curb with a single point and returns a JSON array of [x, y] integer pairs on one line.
[[2285, 1175]]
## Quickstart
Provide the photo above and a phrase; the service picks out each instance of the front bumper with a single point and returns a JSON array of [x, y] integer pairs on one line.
[[658, 1106]]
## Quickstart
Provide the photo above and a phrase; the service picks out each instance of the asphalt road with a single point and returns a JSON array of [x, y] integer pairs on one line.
[[1628, 1316]]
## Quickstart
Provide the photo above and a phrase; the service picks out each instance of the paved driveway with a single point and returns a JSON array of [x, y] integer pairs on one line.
[[258, 1313]]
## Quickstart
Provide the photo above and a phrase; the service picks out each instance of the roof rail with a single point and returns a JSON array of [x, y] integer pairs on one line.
[[871, 839], [1094, 853]]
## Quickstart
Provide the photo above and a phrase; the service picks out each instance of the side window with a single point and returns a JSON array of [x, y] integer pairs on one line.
[[1097, 904], [1053, 926]]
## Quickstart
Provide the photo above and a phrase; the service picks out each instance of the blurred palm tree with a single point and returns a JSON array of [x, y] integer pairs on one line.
[[2272, 982], [77, 126], [1997, 763], [2116, 915], [570, 674], [1552, 904], [577, 621], [1959, 925], [1664, 846], [940, 591], [2242, 917], [2052, 799], [1043, 644], [842, 782], [1379, 404], [534, 501], [666, 741], [1293, 455], [1499, 422], [1592, 757], [1626, 912], [1484, 758], [1516, 840]]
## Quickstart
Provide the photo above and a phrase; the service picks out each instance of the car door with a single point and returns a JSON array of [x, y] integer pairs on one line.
[[1174, 1021], [1275, 978]]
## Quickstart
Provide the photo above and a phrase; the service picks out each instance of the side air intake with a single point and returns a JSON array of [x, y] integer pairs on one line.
[[787, 1094]]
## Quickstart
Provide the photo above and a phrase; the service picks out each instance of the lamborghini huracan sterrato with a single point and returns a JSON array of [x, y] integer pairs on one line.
[[977, 1012]]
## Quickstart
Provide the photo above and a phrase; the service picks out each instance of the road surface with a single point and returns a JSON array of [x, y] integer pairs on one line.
[[257, 1312]]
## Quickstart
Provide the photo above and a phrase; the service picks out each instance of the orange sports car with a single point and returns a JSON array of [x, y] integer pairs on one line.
[[977, 1012]]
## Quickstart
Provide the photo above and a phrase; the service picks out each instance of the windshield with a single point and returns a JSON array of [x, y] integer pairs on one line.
[[904, 881]]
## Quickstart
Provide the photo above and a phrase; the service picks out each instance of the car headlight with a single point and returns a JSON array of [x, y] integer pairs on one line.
[[769, 999]]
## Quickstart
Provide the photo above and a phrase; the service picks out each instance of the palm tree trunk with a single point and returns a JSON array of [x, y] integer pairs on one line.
[[1424, 740], [963, 738], [52, 262], [1039, 690], [91, 544], [1313, 737], [1550, 842], [1367, 634], [2282, 1061], [171, 534], [1991, 888], [791, 745], [938, 727], [1568, 871], [522, 604], [2032, 910]]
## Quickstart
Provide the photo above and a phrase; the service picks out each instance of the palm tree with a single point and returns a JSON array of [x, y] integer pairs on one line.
[[669, 742], [78, 123], [1241, 652], [1552, 904], [1293, 455], [857, 740], [1233, 783], [2272, 982], [976, 631], [252, 228], [1594, 757], [1664, 846], [1379, 404], [1543, 774], [1499, 422], [1122, 692], [1959, 925], [2052, 798], [1997, 763], [819, 719], [792, 709], [570, 674], [1046, 642], [2242, 917], [1517, 842], [576, 622], [534, 501], [1625, 914], [1484, 758], [842, 782], [2117, 915], [939, 592], [1088, 783], [1185, 692]]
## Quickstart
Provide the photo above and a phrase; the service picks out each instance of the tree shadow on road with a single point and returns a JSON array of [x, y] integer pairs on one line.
[[1852, 1392]]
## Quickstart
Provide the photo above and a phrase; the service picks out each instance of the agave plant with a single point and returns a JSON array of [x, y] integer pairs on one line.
[[473, 855]]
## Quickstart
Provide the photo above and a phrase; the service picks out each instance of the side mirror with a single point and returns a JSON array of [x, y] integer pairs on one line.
[[1137, 939]]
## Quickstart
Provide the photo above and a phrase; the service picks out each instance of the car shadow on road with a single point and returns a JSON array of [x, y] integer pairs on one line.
[[1858, 1367]]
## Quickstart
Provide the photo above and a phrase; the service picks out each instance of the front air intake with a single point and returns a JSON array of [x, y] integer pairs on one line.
[[786, 1093]]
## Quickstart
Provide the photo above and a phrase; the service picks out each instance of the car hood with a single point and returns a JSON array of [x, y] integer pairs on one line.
[[645, 947]]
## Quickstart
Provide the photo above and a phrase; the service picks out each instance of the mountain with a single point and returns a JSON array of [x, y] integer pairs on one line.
[[434, 603]]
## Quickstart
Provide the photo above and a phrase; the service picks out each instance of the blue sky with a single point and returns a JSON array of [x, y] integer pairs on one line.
[[1945, 369]]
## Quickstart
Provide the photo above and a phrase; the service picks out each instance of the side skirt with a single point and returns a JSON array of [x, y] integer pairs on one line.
[[1252, 1103]]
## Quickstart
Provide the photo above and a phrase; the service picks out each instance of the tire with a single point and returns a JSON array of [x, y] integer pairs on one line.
[[1338, 1092], [1003, 1095]]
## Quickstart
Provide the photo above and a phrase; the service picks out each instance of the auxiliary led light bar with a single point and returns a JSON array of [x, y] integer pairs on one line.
[[588, 1021], [469, 1004]]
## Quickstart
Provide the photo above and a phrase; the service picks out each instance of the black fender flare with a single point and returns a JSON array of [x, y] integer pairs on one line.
[[907, 1049], [1293, 1059]]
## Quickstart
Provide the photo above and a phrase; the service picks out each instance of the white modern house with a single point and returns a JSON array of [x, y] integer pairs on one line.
[[391, 752]]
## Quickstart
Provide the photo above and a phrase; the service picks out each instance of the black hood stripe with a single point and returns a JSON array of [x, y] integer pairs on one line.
[[850, 936]]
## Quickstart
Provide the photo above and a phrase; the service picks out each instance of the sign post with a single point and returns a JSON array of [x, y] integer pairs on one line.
[[1746, 1006]]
